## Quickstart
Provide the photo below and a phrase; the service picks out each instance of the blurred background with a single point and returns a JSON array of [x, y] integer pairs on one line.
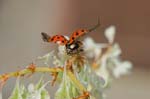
[[22, 21]]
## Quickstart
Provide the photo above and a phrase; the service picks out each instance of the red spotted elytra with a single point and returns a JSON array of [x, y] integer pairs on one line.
[[73, 45]]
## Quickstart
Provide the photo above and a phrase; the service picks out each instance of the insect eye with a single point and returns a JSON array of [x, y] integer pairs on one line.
[[72, 46]]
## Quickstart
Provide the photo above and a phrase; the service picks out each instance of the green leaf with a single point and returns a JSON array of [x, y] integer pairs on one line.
[[16, 92]]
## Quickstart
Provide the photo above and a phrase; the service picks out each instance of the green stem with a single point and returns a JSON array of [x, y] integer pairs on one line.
[[43, 69], [28, 71], [75, 81]]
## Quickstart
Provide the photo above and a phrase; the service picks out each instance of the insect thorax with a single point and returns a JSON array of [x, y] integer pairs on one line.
[[74, 48]]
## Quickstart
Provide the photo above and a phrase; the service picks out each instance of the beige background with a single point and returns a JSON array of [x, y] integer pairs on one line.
[[21, 22]]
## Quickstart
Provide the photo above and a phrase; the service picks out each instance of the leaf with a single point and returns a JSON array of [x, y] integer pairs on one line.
[[16, 92], [37, 91]]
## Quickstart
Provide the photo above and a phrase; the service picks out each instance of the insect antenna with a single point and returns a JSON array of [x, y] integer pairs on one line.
[[95, 27]]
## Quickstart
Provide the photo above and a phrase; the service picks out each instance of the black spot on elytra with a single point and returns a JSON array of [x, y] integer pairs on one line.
[[73, 38], [82, 31], [77, 34], [63, 41], [52, 39], [58, 37]]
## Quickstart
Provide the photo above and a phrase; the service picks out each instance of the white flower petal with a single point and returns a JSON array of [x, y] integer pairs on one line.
[[92, 49], [97, 53], [102, 71], [110, 33], [31, 88], [56, 61], [122, 69], [102, 45], [116, 51], [103, 74], [61, 50]]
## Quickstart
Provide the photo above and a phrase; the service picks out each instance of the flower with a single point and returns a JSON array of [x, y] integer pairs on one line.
[[110, 60], [118, 66], [115, 50], [102, 71], [121, 68], [110, 33], [92, 49], [61, 50]]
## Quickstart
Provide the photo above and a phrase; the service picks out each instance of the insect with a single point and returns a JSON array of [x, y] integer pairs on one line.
[[73, 45]]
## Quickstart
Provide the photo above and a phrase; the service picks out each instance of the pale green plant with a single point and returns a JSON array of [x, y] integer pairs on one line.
[[37, 91], [82, 76]]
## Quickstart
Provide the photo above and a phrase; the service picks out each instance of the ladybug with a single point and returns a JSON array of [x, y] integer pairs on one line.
[[73, 45]]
